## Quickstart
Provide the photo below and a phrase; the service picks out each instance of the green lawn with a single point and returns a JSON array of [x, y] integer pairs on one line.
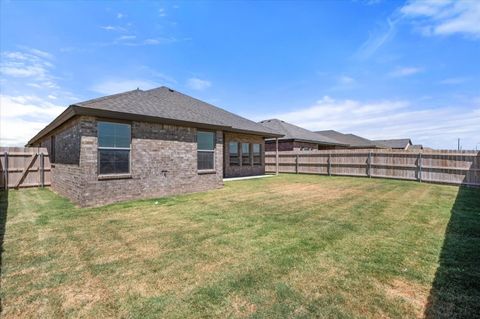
[[289, 246]]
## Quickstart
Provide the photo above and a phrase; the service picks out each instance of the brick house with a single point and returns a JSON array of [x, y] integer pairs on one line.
[[143, 144], [296, 138]]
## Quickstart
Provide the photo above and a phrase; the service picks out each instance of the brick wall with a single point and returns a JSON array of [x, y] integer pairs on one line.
[[155, 148], [304, 146], [282, 145], [67, 142], [163, 162], [243, 170]]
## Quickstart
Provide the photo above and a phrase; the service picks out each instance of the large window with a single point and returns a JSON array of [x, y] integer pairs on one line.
[[205, 150], [114, 148], [233, 154], [257, 154], [246, 154]]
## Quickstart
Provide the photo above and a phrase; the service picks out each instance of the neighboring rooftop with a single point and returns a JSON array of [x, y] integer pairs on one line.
[[162, 104], [351, 139], [293, 132], [400, 143]]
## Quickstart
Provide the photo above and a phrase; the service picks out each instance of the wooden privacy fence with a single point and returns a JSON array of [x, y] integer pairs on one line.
[[24, 167], [439, 166]]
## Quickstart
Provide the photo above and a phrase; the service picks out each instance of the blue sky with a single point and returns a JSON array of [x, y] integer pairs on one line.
[[381, 69]]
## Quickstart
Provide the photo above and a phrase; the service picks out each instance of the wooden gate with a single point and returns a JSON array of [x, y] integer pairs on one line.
[[24, 167]]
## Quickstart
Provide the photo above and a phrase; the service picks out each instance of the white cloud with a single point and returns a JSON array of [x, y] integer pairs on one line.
[[346, 80], [120, 15], [198, 84], [405, 71], [24, 116], [439, 127], [114, 28], [162, 12], [32, 64], [118, 86], [133, 41], [445, 17], [378, 38], [453, 81]]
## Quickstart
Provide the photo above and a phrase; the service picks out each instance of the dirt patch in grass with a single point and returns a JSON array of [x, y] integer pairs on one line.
[[242, 308], [414, 294]]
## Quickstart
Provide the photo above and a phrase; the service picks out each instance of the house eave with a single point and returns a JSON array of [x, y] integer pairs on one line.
[[76, 110], [312, 141]]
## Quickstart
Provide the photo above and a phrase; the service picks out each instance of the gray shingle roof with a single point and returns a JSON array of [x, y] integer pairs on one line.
[[400, 143], [293, 132], [166, 103], [350, 139]]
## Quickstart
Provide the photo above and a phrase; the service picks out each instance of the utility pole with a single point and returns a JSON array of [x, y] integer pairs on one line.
[[458, 144]]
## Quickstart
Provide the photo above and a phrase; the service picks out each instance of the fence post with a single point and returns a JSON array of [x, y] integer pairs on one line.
[[42, 171], [296, 164], [5, 156], [329, 167], [419, 164], [369, 167], [276, 156]]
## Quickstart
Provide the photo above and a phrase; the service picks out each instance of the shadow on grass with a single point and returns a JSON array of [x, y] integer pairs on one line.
[[3, 222], [455, 292]]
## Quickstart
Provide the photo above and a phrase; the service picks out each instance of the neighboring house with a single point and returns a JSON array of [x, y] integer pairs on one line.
[[416, 147], [141, 144], [296, 138], [353, 141], [398, 144]]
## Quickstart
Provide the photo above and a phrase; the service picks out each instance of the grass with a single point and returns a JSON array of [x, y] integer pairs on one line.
[[288, 246]]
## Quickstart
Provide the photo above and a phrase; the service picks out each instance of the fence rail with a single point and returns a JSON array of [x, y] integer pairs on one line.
[[24, 167], [439, 166]]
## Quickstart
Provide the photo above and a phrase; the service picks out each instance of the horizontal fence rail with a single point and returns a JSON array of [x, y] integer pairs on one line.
[[24, 167], [438, 166]]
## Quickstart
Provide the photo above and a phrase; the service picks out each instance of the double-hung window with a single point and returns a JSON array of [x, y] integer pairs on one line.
[[233, 154], [113, 148], [246, 154], [257, 154], [205, 150]]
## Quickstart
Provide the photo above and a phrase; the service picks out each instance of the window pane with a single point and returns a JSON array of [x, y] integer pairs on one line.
[[256, 149], [245, 148], [205, 140], [233, 153], [245, 154], [114, 161], [205, 160], [113, 134], [233, 148]]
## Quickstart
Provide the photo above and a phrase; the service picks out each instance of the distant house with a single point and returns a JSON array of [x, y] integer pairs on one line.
[[353, 141], [416, 147], [141, 144], [398, 144], [297, 138]]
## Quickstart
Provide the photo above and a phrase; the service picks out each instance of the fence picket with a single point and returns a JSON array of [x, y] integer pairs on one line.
[[438, 166], [25, 167]]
